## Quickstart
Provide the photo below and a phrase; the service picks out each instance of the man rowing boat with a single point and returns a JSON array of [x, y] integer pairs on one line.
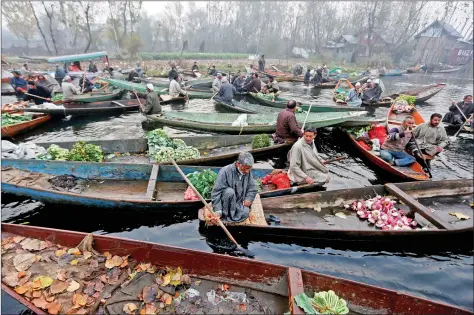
[[226, 92], [432, 138], [454, 116]]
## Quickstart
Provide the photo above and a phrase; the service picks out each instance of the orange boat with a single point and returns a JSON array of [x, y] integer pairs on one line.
[[16, 129], [343, 86]]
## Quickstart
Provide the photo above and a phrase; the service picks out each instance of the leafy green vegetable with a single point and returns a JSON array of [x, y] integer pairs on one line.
[[410, 99], [158, 138], [203, 181], [261, 141], [8, 119], [57, 97], [359, 131], [86, 152], [161, 147], [58, 153], [259, 184], [178, 143], [325, 302]]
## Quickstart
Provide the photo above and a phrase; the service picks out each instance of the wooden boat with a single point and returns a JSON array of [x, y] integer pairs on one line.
[[361, 121], [16, 107], [157, 84], [16, 129], [453, 128], [422, 94], [141, 89], [217, 150], [257, 123], [332, 84], [142, 187], [92, 97], [343, 86], [281, 102], [102, 55], [413, 69], [392, 73], [200, 83], [7, 92], [447, 70], [255, 278]]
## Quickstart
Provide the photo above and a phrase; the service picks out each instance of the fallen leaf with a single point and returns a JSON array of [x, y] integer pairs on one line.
[[87, 255], [103, 278], [23, 261], [149, 293], [197, 282], [129, 308], [242, 307], [25, 276], [11, 279], [58, 287], [99, 286], [107, 255], [90, 301], [113, 262], [61, 275], [73, 286], [89, 289], [33, 244], [65, 259], [74, 251], [60, 252], [94, 264], [149, 309], [18, 239], [9, 246], [340, 215], [124, 264], [144, 267], [74, 262], [54, 308], [166, 280], [45, 281], [40, 302], [36, 294], [79, 299], [49, 298], [317, 208], [460, 216], [169, 300], [22, 289], [76, 310], [132, 275]]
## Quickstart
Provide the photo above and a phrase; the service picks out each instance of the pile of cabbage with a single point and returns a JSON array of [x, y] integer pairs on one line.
[[80, 151], [161, 147], [381, 212]]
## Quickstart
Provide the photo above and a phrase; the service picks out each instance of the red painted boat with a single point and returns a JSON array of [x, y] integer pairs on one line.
[[16, 129], [275, 285]]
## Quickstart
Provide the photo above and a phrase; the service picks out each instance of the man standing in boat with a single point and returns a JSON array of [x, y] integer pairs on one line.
[[152, 101], [287, 129], [235, 190], [432, 138], [172, 73], [226, 92], [261, 64], [454, 116], [306, 166], [216, 84], [175, 89], [399, 139]]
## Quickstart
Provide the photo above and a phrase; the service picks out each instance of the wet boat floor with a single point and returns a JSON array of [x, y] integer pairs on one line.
[[96, 281]]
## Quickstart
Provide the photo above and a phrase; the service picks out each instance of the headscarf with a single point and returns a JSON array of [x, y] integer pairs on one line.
[[150, 86]]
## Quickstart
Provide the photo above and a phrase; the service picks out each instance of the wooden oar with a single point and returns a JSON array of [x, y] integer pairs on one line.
[[306, 118], [336, 159], [422, 156], [453, 138], [213, 96], [240, 248], [83, 82], [462, 113], [43, 98], [139, 103]]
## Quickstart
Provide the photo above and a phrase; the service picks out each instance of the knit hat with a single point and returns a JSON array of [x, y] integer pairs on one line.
[[150, 86]]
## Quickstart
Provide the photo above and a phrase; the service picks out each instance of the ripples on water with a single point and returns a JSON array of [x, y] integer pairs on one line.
[[446, 277]]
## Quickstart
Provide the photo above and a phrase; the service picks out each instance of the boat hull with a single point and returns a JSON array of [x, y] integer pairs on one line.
[[16, 129]]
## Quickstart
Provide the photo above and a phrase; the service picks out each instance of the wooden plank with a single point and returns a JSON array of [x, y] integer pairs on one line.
[[150, 191], [418, 207], [117, 103], [165, 97], [295, 287]]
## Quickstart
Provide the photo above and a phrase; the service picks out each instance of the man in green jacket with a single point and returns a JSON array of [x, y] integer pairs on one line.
[[152, 101]]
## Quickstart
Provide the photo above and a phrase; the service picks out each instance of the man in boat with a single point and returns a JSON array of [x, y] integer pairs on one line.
[[226, 92], [175, 89], [432, 138], [19, 85], [132, 75], [75, 67], [195, 67], [213, 71], [88, 86], [318, 77], [297, 69], [69, 89], [261, 64], [116, 74], [353, 97], [92, 67], [399, 139], [59, 74], [272, 85], [454, 116], [139, 70], [233, 77], [152, 101], [172, 73], [239, 83], [235, 190], [373, 94], [307, 76], [287, 129], [306, 166], [24, 69], [216, 84], [255, 85], [38, 90]]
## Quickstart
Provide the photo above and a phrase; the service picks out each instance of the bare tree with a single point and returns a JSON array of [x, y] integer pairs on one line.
[[39, 28], [50, 15], [19, 20]]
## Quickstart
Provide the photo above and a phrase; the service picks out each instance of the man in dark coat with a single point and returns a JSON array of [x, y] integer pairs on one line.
[[255, 85], [287, 128], [226, 92], [454, 116], [37, 90]]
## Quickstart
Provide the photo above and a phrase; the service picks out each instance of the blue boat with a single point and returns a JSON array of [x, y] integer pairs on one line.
[[149, 187]]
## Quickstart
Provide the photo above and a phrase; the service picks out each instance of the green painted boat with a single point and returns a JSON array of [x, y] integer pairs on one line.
[[200, 84], [257, 123], [281, 102], [103, 96], [141, 88], [332, 84]]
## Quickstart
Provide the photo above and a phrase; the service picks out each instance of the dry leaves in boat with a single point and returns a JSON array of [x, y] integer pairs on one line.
[[58, 286], [34, 244], [460, 216], [23, 261], [149, 293], [54, 308], [73, 286], [130, 308], [149, 309], [42, 282]]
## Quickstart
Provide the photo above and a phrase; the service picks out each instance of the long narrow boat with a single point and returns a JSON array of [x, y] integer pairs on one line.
[[200, 83], [392, 73], [93, 109], [332, 84], [141, 89], [272, 287], [215, 150], [256, 123], [147, 187], [96, 96], [422, 94], [449, 70], [281, 102], [16, 129], [343, 87], [15, 107]]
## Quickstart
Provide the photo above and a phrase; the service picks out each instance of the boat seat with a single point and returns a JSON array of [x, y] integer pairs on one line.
[[151, 189], [117, 103]]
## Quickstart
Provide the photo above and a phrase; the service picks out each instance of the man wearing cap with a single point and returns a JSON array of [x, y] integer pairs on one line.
[[19, 84], [152, 101], [37, 90], [287, 129], [175, 89], [306, 166], [255, 85], [353, 97], [367, 85], [195, 67], [272, 85], [116, 74], [69, 89], [239, 82], [373, 94], [92, 67], [226, 92], [216, 84]]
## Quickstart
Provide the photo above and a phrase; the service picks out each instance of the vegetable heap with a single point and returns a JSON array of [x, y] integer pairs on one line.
[[269, 96], [203, 181], [80, 151], [359, 131], [410, 99], [57, 97], [261, 141], [325, 302], [161, 147], [8, 119], [341, 94]]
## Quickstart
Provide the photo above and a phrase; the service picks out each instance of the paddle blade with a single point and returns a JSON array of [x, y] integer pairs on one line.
[[244, 252]]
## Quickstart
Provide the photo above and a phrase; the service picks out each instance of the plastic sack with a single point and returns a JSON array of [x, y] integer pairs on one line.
[[241, 121], [189, 194], [378, 132], [281, 180]]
